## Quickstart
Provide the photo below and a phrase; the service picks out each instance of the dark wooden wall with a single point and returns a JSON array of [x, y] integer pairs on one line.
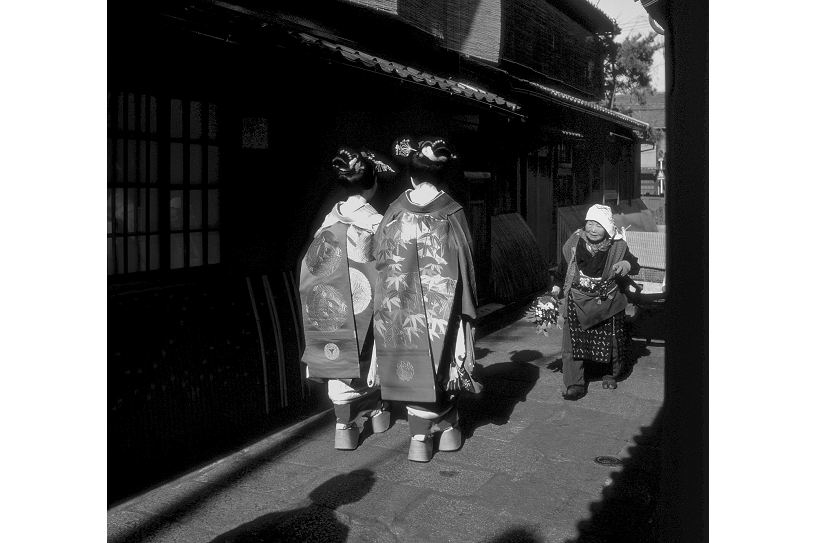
[[531, 33], [202, 360]]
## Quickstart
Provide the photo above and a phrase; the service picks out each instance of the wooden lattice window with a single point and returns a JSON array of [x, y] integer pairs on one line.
[[164, 174]]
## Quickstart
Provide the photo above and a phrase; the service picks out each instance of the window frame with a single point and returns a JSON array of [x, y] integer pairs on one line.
[[120, 136]]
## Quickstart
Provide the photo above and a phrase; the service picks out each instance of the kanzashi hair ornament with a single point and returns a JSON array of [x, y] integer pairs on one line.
[[379, 165], [403, 148]]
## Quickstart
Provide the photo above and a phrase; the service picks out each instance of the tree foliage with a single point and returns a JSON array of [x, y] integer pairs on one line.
[[627, 65]]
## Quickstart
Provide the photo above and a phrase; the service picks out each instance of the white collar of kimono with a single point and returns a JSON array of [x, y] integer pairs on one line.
[[363, 216], [424, 194]]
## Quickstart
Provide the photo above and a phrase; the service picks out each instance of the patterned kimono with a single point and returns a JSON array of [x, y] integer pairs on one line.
[[336, 290], [425, 286]]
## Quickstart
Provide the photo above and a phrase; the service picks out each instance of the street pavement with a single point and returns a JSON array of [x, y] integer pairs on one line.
[[528, 471]]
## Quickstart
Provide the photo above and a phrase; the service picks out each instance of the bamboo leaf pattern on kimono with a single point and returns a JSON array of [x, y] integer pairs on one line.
[[438, 290], [393, 282], [379, 325], [402, 318], [391, 298], [414, 321], [437, 327]]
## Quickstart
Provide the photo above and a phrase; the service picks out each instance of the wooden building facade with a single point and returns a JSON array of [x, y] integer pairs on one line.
[[223, 118]]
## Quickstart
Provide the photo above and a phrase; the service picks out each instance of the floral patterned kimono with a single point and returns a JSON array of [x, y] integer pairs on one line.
[[336, 289], [425, 303]]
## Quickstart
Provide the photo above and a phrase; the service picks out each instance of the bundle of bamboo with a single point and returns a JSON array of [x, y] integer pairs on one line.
[[518, 267]]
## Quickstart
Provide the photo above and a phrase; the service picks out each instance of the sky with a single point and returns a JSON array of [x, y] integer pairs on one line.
[[633, 19]]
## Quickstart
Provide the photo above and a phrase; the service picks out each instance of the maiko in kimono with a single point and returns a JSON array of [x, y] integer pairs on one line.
[[425, 301], [337, 280]]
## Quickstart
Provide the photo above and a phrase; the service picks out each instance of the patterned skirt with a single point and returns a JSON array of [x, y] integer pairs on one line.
[[596, 344]]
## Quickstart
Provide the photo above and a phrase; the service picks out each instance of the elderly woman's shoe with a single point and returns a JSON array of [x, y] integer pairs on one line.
[[574, 392], [609, 382]]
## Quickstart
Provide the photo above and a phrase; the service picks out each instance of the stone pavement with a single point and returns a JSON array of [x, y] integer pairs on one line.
[[527, 470]]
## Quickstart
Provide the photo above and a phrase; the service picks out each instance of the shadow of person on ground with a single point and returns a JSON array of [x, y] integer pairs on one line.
[[649, 322], [505, 384], [481, 352], [315, 521], [628, 509], [637, 350], [517, 535], [525, 355]]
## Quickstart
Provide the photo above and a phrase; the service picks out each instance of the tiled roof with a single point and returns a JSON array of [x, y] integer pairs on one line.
[[571, 134], [406, 72], [580, 104], [465, 90]]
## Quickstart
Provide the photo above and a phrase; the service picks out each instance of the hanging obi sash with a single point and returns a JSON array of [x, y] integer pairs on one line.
[[336, 291], [418, 272]]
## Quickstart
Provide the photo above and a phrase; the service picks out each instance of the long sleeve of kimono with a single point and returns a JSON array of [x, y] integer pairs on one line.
[[469, 300], [633, 261], [466, 269], [379, 240]]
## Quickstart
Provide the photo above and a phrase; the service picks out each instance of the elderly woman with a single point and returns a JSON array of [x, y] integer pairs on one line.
[[336, 288], [597, 259], [425, 301]]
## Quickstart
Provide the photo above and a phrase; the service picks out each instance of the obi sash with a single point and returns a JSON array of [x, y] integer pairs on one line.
[[336, 290], [418, 274]]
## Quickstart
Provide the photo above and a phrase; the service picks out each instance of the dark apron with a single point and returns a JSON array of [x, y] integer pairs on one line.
[[592, 309]]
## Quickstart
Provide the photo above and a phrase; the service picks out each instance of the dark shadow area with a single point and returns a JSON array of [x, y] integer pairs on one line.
[[525, 355], [517, 535], [684, 497], [182, 507], [649, 322], [192, 373], [503, 317], [481, 352], [628, 510], [637, 350], [313, 522], [398, 412], [505, 385]]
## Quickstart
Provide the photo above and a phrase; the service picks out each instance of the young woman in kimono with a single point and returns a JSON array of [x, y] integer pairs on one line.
[[425, 300], [597, 259], [336, 289]]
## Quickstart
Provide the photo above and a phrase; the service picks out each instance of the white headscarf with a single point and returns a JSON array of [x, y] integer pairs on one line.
[[603, 215]]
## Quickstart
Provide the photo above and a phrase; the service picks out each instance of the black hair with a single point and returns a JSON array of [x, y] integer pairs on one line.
[[355, 173], [420, 167]]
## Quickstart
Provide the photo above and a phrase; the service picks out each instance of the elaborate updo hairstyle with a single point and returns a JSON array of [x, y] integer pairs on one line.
[[355, 173], [430, 160]]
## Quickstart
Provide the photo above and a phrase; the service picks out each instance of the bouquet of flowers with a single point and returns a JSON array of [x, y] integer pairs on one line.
[[543, 313]]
